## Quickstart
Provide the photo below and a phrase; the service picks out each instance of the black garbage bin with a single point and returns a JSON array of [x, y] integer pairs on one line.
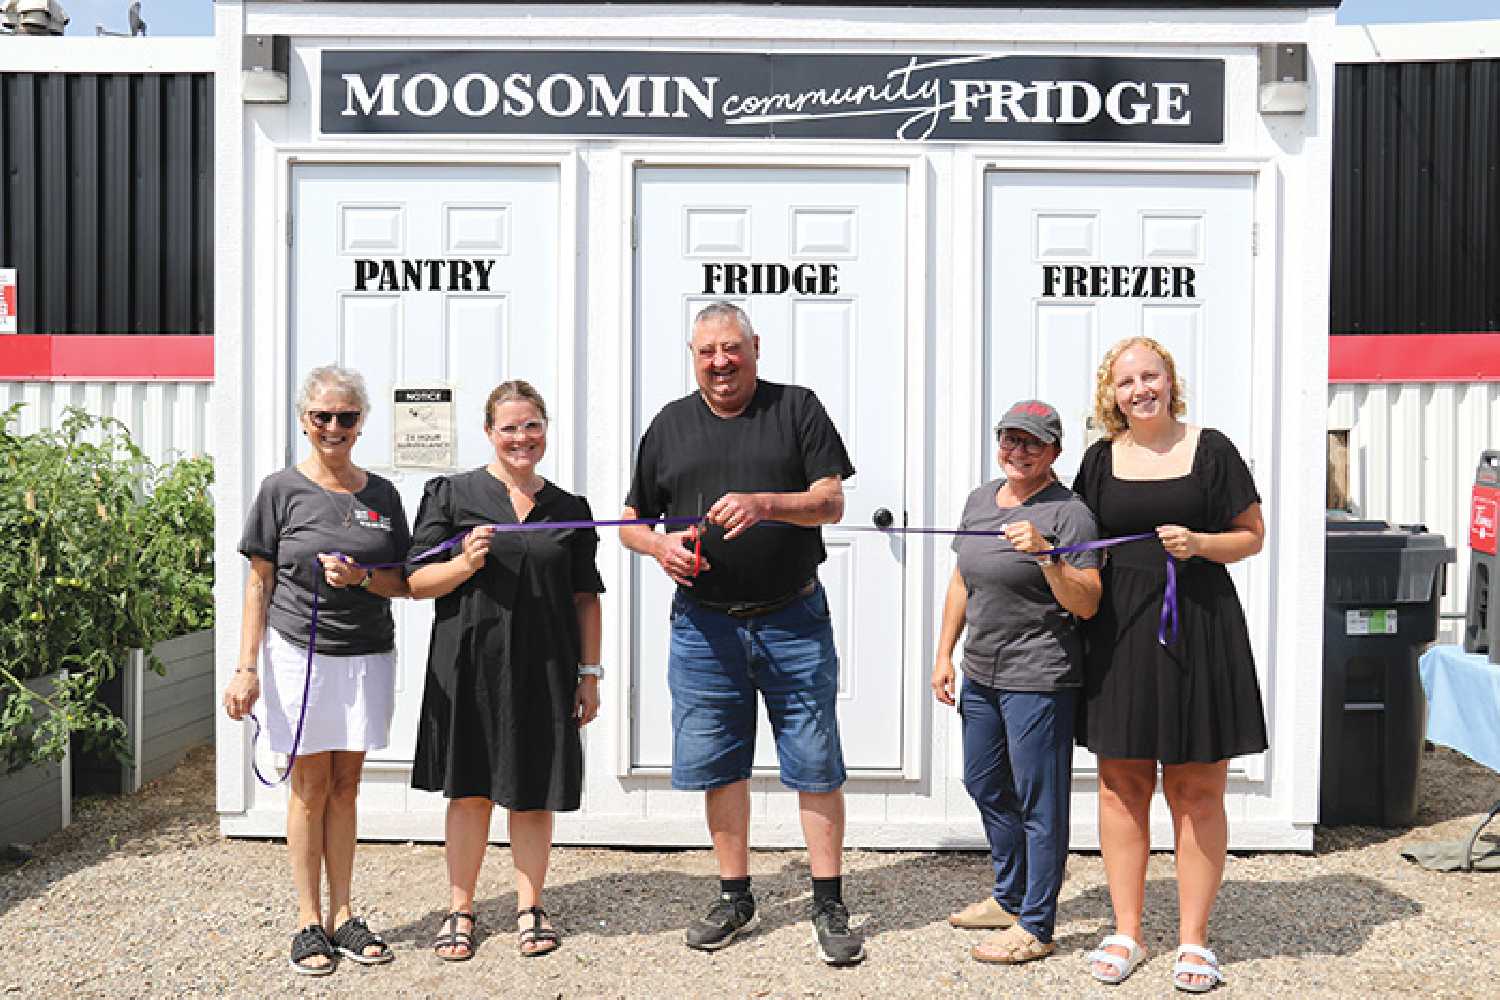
[[1383, 584]]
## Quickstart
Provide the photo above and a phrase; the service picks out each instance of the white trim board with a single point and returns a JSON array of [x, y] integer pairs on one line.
[[30, 54], [1429, 41]]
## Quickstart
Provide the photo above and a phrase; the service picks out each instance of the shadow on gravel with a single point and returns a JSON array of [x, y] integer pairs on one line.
[[909, 893], [1323, 915], [1450, 786]]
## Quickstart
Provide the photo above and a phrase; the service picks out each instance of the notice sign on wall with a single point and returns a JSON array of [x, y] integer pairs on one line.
[[8, 300], [423, 427], [889, 96]]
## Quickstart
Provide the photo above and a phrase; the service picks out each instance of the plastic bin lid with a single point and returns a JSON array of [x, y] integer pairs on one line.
[[1374, 562], [1367, 536]]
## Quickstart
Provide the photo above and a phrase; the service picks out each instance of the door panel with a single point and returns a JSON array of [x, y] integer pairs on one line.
[[1048, 346], [466, 338], [847, 346]]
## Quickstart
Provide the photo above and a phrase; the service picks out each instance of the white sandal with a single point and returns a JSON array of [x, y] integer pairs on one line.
[[1182, 970], [1135, 954]]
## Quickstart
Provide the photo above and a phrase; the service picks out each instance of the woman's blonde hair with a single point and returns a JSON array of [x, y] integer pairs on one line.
[[1107, 415], [517, 390]]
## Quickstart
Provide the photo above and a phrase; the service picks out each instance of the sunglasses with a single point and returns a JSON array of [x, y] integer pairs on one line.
[[1030, 445], [345, 418]]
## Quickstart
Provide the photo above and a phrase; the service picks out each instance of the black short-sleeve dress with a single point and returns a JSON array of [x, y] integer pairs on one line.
[[1197, 700], [502, 667]]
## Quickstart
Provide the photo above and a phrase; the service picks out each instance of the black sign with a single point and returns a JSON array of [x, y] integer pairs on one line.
[[911, 98], [424, 395]]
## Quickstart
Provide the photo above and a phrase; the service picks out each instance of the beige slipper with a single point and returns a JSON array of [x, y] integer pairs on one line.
[[985, 915], [1011, 946]]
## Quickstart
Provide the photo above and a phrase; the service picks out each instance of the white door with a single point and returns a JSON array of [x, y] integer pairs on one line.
[[843, 336], [1078, 261], [480, 307]]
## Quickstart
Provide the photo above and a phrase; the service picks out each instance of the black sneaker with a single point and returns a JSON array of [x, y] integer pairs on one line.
[[837, 944], [732, 914]]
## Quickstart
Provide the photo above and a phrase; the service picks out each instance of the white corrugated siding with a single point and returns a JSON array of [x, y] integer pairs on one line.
[[167, 419], [1413, 447]]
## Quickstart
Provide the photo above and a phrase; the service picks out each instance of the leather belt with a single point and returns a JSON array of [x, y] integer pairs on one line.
[[758, 609]]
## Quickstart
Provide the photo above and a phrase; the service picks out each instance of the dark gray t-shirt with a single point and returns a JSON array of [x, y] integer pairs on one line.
[[290, 522], [1018, 638]]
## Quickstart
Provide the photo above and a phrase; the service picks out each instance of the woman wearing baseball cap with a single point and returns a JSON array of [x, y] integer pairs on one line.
[[1023, 669]]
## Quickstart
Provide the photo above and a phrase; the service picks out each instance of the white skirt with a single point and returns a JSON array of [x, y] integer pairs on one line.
[[349, 700]]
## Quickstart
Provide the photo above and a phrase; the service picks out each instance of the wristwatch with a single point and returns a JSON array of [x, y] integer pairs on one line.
[[590, 670]]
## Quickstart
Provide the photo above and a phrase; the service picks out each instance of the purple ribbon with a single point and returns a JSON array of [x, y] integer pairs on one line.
[[1166, 632], [1166, 629], [456, 540], [302, 716]]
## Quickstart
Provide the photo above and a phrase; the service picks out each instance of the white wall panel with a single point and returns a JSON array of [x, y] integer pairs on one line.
[[168, 420], [1413, 447]]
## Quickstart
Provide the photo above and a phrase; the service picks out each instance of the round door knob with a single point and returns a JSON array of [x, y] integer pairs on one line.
[[883, 518]]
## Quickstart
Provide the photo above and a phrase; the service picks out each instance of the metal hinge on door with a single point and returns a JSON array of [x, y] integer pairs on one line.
[[634, 232], [289, 229], [1255, 239]]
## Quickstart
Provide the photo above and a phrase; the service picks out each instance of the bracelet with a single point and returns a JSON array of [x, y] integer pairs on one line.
[[591, 670], [365, 583], [246, 670]]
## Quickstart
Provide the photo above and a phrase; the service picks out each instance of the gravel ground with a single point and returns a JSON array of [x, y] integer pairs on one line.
[[142, 897]]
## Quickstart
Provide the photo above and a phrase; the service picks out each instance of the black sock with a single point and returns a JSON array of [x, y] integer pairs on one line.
[[734, 886], [828, 888]]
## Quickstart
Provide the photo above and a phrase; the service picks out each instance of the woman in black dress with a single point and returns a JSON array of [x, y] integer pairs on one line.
[[513, 668], [1189, 705]]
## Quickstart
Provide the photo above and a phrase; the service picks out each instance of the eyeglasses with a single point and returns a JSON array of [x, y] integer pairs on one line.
[[1030, 445], [530, 428], [345, 418]]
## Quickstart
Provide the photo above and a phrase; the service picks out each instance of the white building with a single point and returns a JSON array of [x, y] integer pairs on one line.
[[977, 198]]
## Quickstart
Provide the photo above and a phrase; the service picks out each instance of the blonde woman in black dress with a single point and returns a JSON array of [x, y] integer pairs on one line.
[[513, 668], [1189, 705]]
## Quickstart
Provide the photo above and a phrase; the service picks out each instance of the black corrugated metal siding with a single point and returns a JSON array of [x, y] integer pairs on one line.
[[106, 200], [1416, 198]]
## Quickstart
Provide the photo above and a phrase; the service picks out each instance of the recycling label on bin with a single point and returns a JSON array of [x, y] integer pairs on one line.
[[1370, 621]]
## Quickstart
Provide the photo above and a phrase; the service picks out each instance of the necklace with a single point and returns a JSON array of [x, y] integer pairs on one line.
[[345, 514], [342, 511]]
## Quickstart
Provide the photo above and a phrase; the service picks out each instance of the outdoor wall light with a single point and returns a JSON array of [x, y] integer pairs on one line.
[[263, 73], [1283, 79]]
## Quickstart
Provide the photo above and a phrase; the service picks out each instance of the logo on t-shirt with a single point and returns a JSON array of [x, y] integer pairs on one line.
[[367, 518]]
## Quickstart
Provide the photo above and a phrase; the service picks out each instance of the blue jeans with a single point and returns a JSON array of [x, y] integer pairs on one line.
[[1018, 767], [717, 664]]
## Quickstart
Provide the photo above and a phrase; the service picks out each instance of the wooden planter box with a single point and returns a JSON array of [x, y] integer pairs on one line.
[[36, 801], [165, 715]]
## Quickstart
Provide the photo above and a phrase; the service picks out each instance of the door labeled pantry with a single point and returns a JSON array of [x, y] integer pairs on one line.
[[429, 275]]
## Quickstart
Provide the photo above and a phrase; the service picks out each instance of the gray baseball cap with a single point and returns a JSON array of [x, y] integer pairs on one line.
[[1035, 418]]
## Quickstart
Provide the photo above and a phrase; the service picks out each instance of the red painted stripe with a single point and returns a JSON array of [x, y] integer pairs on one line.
[[107, 358], [1414, 357]]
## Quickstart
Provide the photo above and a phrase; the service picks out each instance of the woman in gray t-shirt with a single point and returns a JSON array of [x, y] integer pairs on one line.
[[305, 534], [1022, 665]]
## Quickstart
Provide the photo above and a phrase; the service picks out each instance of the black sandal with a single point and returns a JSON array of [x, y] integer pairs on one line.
[[354, 936], [536, 934], [452, 937], [310, 942]]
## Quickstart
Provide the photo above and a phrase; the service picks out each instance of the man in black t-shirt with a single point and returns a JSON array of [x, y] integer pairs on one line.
[[749, 614]]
